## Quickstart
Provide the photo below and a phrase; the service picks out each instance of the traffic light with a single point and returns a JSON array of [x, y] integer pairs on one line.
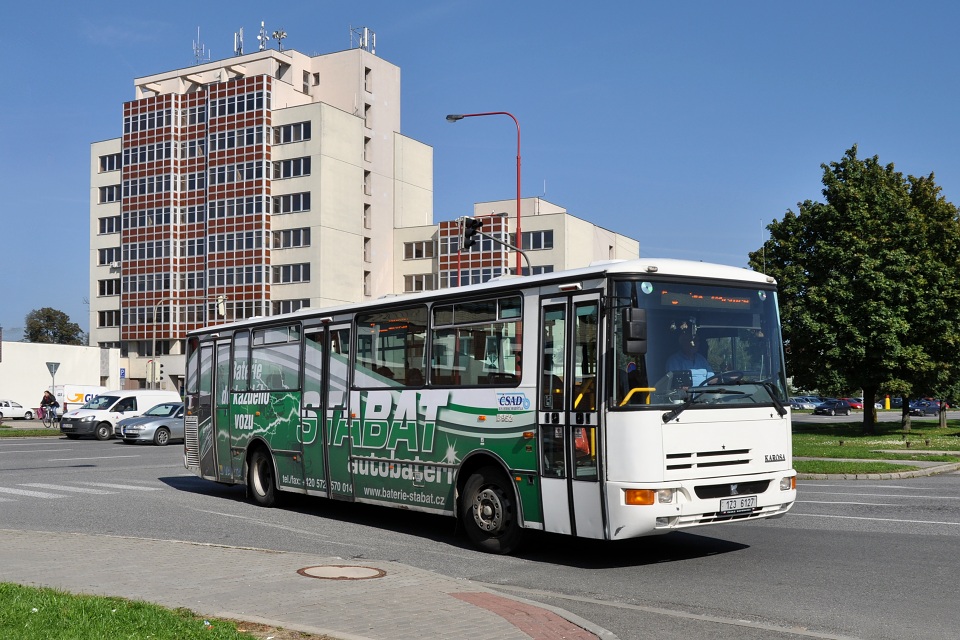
[[471, 226], [160, 376]]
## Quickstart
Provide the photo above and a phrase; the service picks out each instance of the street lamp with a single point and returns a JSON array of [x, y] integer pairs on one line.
[[454, 117], [221, 310]]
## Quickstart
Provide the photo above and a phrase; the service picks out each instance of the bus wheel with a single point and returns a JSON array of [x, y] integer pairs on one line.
[[488, 512], [260, 479]]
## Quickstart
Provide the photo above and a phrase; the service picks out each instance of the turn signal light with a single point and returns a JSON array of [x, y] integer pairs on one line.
[[639, 496]]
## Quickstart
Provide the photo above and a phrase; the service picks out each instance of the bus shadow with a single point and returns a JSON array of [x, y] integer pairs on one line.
[[537, 547], [584, 553]]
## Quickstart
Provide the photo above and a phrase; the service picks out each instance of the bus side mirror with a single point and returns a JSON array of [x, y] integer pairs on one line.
[[634, 331]]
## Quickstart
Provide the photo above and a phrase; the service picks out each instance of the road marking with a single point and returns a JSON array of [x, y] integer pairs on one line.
[[886, 495], [865, 504], [31, 451], [60, 487], [32, 494], [136, 455], [120, 486], [815, 515]]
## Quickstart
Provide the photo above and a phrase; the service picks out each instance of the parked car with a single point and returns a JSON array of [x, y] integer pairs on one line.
[[925, 407], [15, 411], [159, 425], [802, 402], [855, 403], [99, 416], [833, 408]]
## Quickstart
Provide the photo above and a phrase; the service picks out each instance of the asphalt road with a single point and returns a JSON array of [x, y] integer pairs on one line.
[[854, 559]]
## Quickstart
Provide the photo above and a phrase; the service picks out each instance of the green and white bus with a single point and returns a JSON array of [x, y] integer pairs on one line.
[[552, 402]]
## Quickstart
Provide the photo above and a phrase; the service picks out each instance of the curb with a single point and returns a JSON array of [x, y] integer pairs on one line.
[[919, 473]]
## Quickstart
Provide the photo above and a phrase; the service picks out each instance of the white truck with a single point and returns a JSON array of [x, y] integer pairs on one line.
[[74, 396]]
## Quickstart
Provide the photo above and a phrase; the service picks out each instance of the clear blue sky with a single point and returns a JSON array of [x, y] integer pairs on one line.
[[686, 125]]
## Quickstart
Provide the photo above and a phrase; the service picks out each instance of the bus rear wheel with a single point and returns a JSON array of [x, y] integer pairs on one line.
[[488, 512], [261, 480]]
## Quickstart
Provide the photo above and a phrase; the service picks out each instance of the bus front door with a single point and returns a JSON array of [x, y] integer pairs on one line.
[[324, 420], [569, 417]]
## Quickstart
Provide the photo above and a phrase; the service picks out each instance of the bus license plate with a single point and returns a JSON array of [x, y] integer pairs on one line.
[[739, 504]]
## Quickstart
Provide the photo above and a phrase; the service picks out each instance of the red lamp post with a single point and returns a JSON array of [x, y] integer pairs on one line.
[[453, 117]]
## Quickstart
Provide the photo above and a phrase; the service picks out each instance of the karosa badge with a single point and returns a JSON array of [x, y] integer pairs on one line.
[[774, 457]]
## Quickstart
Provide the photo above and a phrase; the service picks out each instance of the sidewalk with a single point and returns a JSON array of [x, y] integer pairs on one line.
[[363, 600]]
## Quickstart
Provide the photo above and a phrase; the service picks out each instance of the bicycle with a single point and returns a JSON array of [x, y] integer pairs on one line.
[[49, 417]]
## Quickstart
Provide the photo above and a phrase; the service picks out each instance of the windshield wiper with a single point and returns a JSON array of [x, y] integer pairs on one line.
[[772, 392], [676, 411]]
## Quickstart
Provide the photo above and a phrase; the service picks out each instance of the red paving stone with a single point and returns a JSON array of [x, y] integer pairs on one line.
[[537, 623]]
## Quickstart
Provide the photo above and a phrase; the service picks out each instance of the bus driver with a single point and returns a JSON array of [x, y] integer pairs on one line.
[[689, 358]]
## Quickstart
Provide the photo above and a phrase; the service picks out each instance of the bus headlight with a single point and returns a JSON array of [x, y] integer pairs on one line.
[[665, 496], [788, 484]]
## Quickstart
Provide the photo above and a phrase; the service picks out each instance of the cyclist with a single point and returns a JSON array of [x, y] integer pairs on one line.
[[49, 404]]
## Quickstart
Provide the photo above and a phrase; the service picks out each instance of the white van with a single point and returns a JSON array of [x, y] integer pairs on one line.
[[98, 417]]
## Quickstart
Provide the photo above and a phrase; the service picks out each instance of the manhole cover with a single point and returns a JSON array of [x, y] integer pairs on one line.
[[342, 572]]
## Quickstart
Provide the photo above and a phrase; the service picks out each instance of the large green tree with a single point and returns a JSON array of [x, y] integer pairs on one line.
[[869, 283], [51, 326]]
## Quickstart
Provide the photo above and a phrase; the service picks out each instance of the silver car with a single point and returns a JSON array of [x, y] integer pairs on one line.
[[158, 425]]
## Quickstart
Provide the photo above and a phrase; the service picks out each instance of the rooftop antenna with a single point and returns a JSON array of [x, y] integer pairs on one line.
[[263, 37], [200, 52], [238, 42], [363, 38], [279, 35]]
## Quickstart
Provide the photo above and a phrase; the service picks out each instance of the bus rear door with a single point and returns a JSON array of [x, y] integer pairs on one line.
[[324, 421]]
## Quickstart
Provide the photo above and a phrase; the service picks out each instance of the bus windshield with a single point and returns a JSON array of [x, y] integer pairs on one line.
[[706, 346]]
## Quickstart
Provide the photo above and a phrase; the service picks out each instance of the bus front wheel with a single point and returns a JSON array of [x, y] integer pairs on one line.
[[261, 480], [488, 512]]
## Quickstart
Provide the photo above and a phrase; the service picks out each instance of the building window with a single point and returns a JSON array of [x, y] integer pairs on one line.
[[366, 283], [367, 212], [111, 193], [237, 241], [148, 217], [537, 269], [367, 177], [240, 172], [110, 162], [368, 79], [288, 273], [367, 113], [292, 202], [290, 238], [109, 287], [366, 250], [108, 318], [421, 282], [537, 240], [292, 168], [110, 224], [108, 256], [147, 153], [291, 133], [148, 185], [247, 137], [231, 207], [366, 148], [418, 250], [289, 306]]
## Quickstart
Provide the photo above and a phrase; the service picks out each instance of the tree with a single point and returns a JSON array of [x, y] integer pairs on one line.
[[51, 326], [869, 283]]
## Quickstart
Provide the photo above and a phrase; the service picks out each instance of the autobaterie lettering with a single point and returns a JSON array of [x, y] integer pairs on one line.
[[401, 470]]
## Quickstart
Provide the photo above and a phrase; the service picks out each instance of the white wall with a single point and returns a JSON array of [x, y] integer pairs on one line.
[[24, 374]]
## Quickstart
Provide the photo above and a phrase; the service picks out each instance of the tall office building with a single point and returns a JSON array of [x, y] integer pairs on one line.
[[251, 186], [272, 181]]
